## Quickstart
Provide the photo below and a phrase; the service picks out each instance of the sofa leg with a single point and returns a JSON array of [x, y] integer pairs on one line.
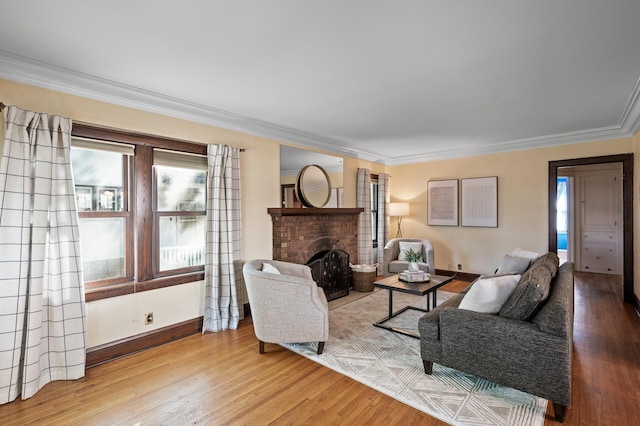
[[559, 411], [261, 346], [320, 347], [428, 366]]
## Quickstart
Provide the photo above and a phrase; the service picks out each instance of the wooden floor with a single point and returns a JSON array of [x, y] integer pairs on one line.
[[220, 378]]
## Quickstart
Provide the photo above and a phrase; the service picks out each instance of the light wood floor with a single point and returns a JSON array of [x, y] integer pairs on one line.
[[220, 378]]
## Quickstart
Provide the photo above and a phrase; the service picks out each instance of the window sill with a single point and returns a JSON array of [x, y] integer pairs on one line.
[[123, 289]]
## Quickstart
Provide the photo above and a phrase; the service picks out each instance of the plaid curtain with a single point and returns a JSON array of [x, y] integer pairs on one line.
[[42, 305], [383, 217], [222, 270], [363, 199]]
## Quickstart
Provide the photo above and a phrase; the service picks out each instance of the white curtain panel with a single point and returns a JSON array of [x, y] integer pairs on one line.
[[383, 216], [42, 307], [223, 270], [363, 199]]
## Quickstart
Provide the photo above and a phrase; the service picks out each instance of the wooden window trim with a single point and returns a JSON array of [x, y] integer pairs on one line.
[[142, 181]]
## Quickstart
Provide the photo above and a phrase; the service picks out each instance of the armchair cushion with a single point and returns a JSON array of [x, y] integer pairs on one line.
[[405, 246]]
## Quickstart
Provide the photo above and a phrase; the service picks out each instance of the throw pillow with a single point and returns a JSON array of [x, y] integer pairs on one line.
[[405, 246], [267, 267], [489, 294], [512, 265], [531, 255], [532, 290]]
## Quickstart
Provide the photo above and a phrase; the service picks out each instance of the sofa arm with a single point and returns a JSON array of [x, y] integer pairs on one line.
[[507, 351]]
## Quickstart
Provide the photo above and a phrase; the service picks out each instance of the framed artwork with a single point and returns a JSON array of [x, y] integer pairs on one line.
[[442, 202], [480, 202]]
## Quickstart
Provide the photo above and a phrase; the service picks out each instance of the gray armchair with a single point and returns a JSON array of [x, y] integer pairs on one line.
[[288, 307], [391, 265]]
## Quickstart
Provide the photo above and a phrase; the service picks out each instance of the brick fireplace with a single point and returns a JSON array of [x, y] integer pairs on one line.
[[299, 234]]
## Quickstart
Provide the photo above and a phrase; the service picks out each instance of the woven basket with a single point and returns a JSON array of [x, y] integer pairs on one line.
[[363, 281]]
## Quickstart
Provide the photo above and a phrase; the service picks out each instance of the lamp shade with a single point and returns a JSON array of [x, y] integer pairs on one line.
[[398, 209]]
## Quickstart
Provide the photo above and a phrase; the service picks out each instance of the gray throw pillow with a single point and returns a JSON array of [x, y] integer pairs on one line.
[[513, 265], [532, 290]]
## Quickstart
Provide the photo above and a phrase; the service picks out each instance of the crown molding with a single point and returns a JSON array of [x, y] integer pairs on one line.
[[40, 74]]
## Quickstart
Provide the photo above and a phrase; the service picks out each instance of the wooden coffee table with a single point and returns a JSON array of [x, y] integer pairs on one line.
[[428, 288]]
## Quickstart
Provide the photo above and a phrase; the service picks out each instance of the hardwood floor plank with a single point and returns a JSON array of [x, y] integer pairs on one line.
[[220, 378]]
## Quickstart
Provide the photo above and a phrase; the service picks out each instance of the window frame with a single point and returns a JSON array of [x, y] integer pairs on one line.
[[374, 210], [142, 239]]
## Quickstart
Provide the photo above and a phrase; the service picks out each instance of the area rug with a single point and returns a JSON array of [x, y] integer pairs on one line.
[[390, 363]]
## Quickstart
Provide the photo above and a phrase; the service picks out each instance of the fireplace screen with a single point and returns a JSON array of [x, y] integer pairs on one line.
[[330, 270]]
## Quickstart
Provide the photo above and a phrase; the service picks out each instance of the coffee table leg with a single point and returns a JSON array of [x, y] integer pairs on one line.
[[435, 296], [390, 303]]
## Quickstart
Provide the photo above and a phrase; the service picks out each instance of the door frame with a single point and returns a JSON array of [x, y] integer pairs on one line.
[[627, 213]]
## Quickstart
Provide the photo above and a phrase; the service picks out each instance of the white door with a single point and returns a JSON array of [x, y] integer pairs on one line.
[[600, 220]]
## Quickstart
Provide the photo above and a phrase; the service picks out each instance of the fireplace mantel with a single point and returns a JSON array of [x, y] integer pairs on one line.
[[275, 211]]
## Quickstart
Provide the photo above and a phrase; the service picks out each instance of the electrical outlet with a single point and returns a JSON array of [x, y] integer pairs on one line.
[[459, 266], [148, 319]]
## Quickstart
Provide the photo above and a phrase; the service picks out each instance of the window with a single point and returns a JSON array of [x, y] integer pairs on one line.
[[374, 209], [141, 208]]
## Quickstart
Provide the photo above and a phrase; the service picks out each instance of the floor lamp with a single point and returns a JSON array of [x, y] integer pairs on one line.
[[398, 210]]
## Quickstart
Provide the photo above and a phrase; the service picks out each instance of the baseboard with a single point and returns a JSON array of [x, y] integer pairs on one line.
[[458, 275], [114, 350]]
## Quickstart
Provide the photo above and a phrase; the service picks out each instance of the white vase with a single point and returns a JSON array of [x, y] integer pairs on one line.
[[413, 267]]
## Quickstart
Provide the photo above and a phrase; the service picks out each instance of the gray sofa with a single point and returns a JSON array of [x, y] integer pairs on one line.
[[527, 345]]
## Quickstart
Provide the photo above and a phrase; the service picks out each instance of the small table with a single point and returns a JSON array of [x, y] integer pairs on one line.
[[393, 283]]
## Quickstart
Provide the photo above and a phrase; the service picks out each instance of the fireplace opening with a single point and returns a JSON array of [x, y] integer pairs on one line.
[[330, 270]]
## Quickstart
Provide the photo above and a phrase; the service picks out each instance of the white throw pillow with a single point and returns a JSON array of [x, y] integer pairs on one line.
[[405, 246], [267, 267], [488, 295], [531, 255]]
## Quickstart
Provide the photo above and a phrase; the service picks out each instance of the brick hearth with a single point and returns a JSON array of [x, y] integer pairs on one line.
[[298, 234]]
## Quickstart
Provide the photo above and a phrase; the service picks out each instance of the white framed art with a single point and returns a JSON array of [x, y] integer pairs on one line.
[[442, 202], [480, 202]]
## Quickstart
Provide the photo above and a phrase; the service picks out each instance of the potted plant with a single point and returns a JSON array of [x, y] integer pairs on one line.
[[413, 257]]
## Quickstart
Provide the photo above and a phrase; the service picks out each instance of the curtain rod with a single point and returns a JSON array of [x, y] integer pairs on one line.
[[2, 105]]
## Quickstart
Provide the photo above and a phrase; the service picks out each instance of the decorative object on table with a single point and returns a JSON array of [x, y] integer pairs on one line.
[[398, 210], [414, 276], [394, 261], [363, 276], [480, 202], [413, 257], [442, 202]]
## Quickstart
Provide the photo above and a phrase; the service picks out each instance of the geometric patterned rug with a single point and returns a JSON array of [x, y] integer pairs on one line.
[[390, 363]]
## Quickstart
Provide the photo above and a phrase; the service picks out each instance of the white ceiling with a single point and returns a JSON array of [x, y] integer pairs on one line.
[[394, 81]]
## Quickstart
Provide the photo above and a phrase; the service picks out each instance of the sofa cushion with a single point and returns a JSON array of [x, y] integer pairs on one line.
[[488, 295], [513, 265], [532, 290], [405, 246]]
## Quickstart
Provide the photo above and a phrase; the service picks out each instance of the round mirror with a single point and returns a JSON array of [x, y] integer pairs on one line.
[[313, 186]]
